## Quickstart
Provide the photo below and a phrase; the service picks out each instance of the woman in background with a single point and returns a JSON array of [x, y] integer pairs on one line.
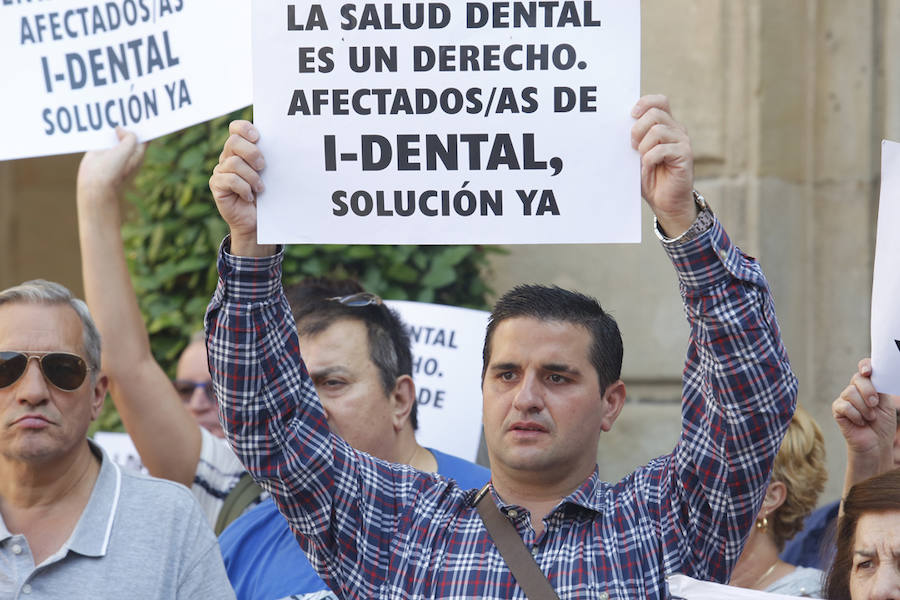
[[798, 478], [867, 562]]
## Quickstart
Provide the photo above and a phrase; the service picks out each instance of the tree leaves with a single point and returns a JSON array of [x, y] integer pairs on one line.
[[173, 234]]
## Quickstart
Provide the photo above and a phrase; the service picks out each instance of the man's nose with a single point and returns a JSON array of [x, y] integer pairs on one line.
[[32, 388], [530, 394], [199, 399], [886, 585]]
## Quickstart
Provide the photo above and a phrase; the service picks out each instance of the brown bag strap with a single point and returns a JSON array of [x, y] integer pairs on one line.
[[513, 550]]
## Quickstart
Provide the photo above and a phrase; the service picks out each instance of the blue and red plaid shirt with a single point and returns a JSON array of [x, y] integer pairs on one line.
[[378, 530]]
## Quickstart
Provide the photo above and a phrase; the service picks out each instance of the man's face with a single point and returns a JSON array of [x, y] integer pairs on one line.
[[192, 373], [875, 562], [543, 407], [40, 422], [349, 387]]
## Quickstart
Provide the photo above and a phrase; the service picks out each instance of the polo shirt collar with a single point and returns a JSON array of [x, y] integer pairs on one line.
[[92, 533]]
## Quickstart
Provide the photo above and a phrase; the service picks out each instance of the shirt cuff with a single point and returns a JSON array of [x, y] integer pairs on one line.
[[248, 279], [711, 258]]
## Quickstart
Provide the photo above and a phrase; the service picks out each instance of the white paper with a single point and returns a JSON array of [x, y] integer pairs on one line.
[[682, 587], [886, 277], [321, 188], [446, 345], [73, 69], [120, 449]]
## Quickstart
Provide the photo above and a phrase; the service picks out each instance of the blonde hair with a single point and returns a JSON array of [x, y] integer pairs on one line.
[[800, 466]]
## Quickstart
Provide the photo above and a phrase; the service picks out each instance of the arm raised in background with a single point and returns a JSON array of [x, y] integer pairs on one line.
[[868, 422], [166, 436]]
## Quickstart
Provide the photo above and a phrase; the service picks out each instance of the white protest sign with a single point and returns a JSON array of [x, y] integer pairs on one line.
[[447, 122], [120, 449], [682, 587], [74, 70], [446, 346], [886, 277]]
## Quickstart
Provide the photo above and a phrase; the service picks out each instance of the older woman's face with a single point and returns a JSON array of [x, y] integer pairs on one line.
[[875, 566]]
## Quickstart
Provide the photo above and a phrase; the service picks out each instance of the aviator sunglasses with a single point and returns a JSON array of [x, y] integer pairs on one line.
[[63, 370]]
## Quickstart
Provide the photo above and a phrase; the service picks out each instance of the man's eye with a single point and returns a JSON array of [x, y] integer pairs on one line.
[[507, 376], [557, 378], [864, 564], [330, 384]]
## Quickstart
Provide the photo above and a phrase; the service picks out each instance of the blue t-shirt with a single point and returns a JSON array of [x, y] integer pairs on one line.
[[814, 546], [264, 560]]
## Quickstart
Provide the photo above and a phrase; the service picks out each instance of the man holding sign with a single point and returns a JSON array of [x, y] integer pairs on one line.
[[551, 385]]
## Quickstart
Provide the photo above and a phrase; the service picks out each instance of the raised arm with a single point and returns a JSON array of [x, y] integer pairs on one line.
[[738, 387], [164, 433], [346, 506], [868, 422], [235, 183]]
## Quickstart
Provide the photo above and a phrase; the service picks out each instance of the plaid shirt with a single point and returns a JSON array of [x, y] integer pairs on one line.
[[380, 530]]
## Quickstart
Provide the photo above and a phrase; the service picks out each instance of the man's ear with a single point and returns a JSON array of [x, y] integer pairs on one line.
[[402, 399], [98, 395], [612, 401]]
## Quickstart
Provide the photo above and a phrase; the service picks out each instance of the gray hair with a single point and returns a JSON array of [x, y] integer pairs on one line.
[[40, 291]]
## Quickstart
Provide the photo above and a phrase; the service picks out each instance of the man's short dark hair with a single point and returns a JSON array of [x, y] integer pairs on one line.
[[389, 344], [546, 303]]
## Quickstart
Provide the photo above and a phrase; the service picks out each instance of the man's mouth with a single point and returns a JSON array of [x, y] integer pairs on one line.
[[528, 426], [32, 421]]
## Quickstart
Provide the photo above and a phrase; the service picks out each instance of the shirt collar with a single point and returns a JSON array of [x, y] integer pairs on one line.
[[4, 531], [91, 535], [592, 495]]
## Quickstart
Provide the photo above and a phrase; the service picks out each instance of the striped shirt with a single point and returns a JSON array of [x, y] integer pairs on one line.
[[218, 471], [378, 530]]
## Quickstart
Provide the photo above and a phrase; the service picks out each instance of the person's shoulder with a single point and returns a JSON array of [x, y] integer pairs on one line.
[[468, 475], [802, 581], [151, 489], [257, 522]]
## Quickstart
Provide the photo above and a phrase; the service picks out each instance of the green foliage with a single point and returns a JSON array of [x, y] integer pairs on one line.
[[173, 233]]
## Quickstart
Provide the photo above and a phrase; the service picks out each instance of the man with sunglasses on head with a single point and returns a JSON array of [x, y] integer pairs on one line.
[[72, 523], [174, 428], [551, 385], [358, 355]]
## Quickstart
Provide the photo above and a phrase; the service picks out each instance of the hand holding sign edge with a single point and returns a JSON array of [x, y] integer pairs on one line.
[[667, 164], [868, 422], [235, 185]]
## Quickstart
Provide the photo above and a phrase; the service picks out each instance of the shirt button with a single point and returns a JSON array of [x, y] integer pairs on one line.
[[603, 596], [513, 513], [17, 549], [534, 551], [26, 589]]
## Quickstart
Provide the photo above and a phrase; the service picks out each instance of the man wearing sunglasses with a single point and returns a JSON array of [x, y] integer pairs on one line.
[[551, 384], [175, 428], [72, 523]]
